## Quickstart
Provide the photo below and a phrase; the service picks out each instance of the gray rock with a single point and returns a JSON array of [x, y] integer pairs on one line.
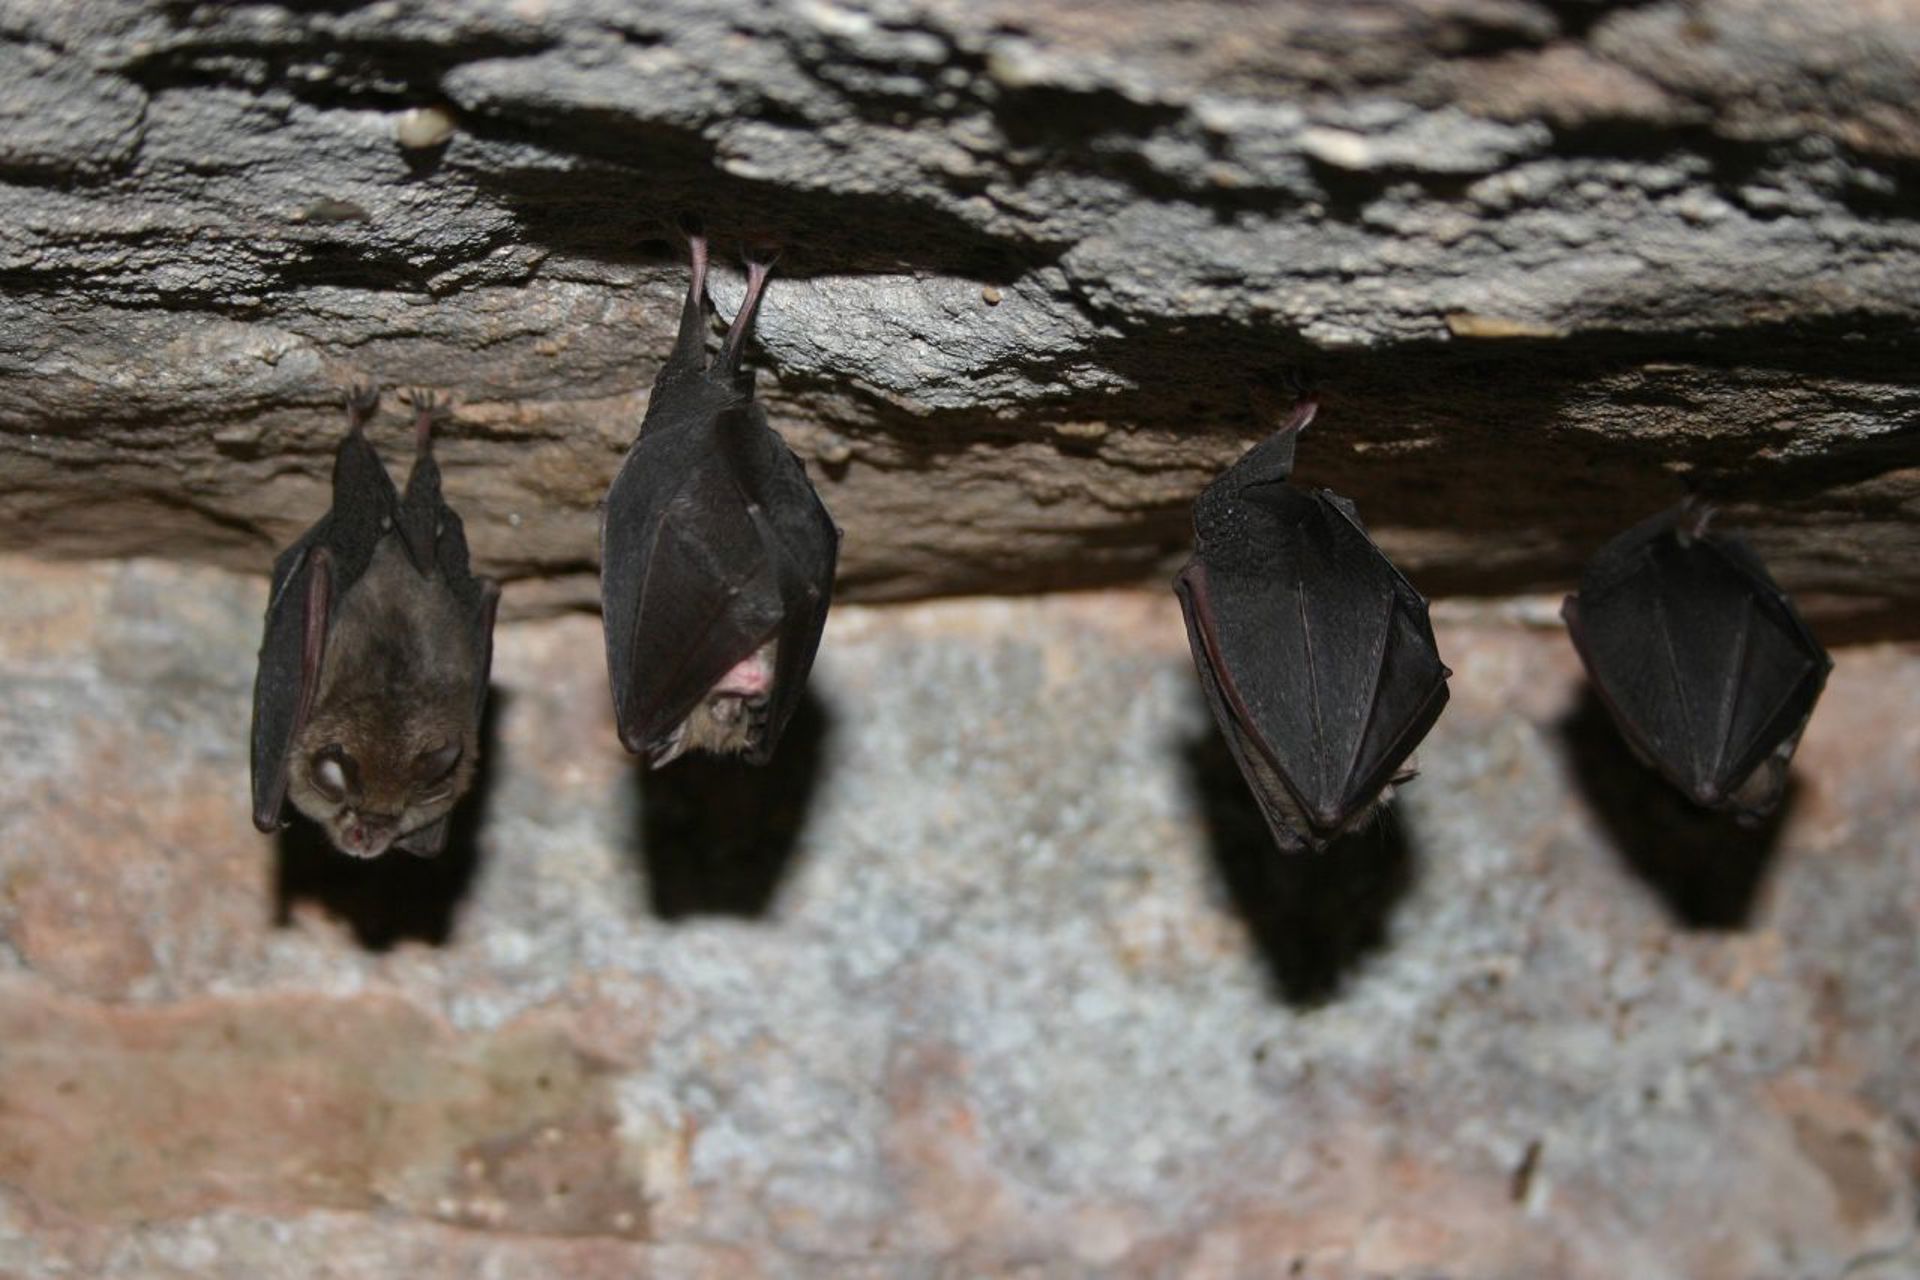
[[1549, 263], [992, 972]]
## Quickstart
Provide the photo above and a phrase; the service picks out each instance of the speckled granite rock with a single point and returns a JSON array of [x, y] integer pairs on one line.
[[1547, 259], [991, 974]]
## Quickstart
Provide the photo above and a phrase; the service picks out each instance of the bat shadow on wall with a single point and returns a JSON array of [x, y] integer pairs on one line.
[[397, 897], [718, 835], [1706, 866], [1315, 918]]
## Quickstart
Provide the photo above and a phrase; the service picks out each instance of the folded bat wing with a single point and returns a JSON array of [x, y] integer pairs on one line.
[[1316, 655], [1703, 662], [713, 546]]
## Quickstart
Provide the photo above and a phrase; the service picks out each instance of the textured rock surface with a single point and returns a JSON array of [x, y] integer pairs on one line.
[[1547, 259], [991, 974]]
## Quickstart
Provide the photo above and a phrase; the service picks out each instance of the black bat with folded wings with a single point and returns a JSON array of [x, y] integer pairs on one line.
[[1701, 659], [1315, 653], [716, 555]]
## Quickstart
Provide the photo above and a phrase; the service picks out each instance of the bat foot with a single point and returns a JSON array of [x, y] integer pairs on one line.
[[760, 253], [362, 398], [1690, 522], [1286, 397], [428, 411]]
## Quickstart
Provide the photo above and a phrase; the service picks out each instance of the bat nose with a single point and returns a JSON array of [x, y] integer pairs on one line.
[[368, 835]]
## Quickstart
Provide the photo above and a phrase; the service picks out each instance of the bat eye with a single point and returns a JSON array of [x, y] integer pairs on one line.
[[436, 766], [334, 773]]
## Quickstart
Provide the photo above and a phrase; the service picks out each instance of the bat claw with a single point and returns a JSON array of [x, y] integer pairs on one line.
[[760, 253], [1281, 393], [362, 398], [428, 409], [1695, 513]]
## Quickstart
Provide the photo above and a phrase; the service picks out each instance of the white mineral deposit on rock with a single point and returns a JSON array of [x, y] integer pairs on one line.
[[421, 127]]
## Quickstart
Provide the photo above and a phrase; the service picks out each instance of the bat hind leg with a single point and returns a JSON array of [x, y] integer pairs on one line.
[[428, 411], [759, 264]]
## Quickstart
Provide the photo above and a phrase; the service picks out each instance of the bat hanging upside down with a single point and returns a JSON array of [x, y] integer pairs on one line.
[[373, 667], [1315, 653], [717, 556], [1708, 670]]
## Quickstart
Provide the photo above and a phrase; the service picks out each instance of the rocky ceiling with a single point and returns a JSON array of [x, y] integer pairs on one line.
[[1549, 263]]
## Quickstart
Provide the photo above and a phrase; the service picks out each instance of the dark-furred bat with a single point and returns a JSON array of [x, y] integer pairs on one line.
[[1315, 653], [716, 555], [373, 666], [1705, 665]]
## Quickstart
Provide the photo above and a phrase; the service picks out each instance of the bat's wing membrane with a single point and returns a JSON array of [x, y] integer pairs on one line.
[[1232, 713], [1702, 661], [1316, 654], [308, 579], [801, 544], [706, 596], [1407, 687]]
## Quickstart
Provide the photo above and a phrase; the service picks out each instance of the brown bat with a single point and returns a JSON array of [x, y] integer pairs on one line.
[[373, 666]]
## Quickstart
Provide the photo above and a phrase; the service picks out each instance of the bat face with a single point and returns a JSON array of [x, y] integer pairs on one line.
[[374, 666], [1706, 667], [1316, 655], [717, 557], [394, 733]]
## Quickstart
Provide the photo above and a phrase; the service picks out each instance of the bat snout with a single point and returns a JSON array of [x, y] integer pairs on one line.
[[368, 835]]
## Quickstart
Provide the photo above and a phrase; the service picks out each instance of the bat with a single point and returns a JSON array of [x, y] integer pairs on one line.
[[716, 555], [374, 660], [1705, 665], [1316, 655]]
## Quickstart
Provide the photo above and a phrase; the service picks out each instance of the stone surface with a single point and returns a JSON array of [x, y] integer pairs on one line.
[[990, 974], [1548, 260]]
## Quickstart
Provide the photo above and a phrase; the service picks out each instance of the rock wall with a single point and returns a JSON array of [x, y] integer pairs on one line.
[[992, 974], [1549, 262]]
